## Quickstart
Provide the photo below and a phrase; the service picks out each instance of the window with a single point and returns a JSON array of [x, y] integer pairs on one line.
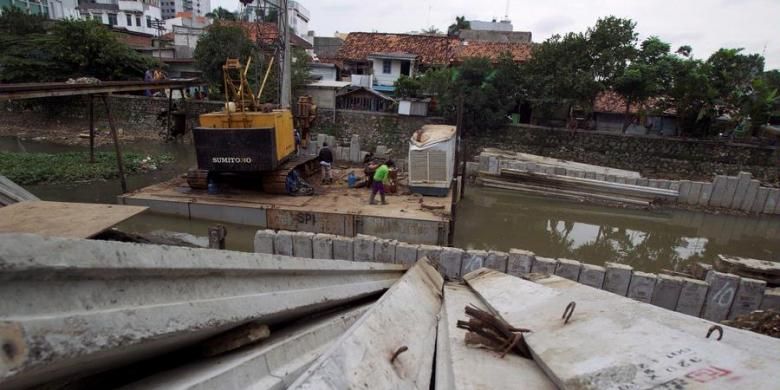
[[138, 21], [149, 22], [387, 65], [129, 19], [112, 19]]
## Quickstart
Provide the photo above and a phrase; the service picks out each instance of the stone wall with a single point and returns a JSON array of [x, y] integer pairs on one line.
[[652, 156]]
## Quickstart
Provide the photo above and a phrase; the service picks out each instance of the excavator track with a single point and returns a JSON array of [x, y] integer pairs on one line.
[[275, 182]]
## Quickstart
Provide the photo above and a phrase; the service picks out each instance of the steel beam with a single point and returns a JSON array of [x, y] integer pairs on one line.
[[75, 306]]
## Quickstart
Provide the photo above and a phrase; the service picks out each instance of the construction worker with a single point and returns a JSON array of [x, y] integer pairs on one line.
[[381, 176], [326, 161]]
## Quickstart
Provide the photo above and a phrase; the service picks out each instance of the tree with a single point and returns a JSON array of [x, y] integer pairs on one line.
[[219, 43], [460, 24], [611, 47], [221, 14], [408, 87], [432, 30]]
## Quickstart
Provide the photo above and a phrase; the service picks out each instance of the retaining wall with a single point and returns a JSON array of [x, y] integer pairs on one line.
[[718, 297]]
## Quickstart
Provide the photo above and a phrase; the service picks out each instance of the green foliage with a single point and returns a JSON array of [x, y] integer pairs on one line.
[[611, 46], [35, 168], [408, 87], [218, 44], [460, 24], [36, 50], [432, 30], [221, 14]]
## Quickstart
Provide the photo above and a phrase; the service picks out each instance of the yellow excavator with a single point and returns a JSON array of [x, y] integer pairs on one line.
[[253, 143]]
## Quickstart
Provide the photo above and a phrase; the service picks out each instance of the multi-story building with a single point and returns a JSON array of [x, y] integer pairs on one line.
[[170, 8], [54, 9], [142, 16], [297, 16]]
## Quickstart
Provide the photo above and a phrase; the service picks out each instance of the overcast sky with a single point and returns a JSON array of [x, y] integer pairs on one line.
[[706, 25]]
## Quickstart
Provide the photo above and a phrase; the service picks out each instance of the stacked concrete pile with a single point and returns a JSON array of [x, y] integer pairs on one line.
[[716, 296]]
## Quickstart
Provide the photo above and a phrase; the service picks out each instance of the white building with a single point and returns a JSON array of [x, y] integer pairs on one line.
[[504, 25], [53, 9], [298, 16], [388, 67], [187, 30], [134, 15], [170, 8], [63, 9]]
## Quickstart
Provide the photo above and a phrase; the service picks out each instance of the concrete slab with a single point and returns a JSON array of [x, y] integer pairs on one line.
[[667, 184], [343, 248], [760, 202], [718, 190], [667, 291], [406, 254], [674, 185], [641, 287], [611, 178], [692, 297], [272, 364], [632, 181], [743, 184], [496, 260], [750, 196], [617, 278], [323, 246], [771, 299], [283, 243], [600, 176], [642, 181], [180, 209], [694, 193], [264, 241], [250, 216], [431, 252], [620, 180], [706, 194], [731, 190], [473, 260], [520, 262], [544, 265], [723, 288], [748, 298], [772, 201], [364, 247], [461, 367], [685, 190], [493, 166], [592, 275], [302, 244], [363, 354], [590, 175], [115, 301], [645, 343], [569, 269], [384, 250], [451, 262]]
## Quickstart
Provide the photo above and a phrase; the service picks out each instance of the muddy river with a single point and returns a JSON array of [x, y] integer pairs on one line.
[[487, 218]]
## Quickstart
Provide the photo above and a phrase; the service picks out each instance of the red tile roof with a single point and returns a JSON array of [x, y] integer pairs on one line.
[[267, 32], [520, 51], [613, 102], [431, 50]]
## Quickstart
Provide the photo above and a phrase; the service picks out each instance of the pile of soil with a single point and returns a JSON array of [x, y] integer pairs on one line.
[[760, 321]]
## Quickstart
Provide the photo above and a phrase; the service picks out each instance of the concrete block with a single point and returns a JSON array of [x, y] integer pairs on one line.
[[750, 196], [667, 291], [432, 252], [592, 275], [264, 241], [705, 194], [493, 165], [666, 184], [560, 171], [692, 297], [760, 202], [322, 246], [611, 178], [569, 269], [642, 181], [406, 254], [772, 201], [590, 175], [617, 278], [580, 174], [600, 176], [283, 243], [343, 248], [302, 245], [685, 190], [384, 250], [451, 260], [519, 262], [700, 270], [354, 148], [674, 185], [473, 260], [532, 167], [620, 180], [655, 183], [771, 299], [549, 170], [743, 183], [642, 286], [631, 180], [718, 190], [544, 265], [364, 247], [694, 193], [496, 260], [731, 190], [484, 162], [723, 288], [749, 295]]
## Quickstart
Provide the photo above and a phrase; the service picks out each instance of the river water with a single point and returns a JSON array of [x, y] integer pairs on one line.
[[487, 219]]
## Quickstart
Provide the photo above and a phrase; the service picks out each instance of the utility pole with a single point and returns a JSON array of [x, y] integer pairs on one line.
[[285, 96]]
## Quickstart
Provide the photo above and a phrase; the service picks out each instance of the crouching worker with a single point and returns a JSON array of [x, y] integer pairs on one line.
[[381, 176], [326, 161]]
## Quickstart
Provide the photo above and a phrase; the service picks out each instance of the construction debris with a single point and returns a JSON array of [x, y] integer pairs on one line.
[[760, 321], [488, 331], [11, 192], [768, 271]]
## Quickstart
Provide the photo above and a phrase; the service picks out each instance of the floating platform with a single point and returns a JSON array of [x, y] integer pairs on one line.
[[336, 209]]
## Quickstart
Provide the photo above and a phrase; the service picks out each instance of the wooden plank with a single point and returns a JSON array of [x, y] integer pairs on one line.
[[62, 219], [648, 347]]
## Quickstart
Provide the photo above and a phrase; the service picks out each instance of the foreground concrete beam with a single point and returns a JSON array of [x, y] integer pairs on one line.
[[520, 262], [362, 357], [748, 298], [459, 366], [272, 364], [592, 275], [612, 342], [77, 306], [692, 297], [618, 278], [723, 288], [642, 286]]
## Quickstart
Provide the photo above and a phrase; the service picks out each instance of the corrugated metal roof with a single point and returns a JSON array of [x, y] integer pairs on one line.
[[329, 84]]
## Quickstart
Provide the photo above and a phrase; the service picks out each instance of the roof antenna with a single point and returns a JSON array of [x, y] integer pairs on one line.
[[506, 11]]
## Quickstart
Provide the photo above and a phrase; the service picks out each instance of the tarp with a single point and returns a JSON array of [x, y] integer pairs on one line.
[[430, 135]]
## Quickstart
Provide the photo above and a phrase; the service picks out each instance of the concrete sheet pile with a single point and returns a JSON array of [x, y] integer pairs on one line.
[[612, 342], [75, 307], [11, 192]]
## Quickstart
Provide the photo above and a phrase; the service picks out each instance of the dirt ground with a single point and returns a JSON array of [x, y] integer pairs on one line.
[[69, 133]]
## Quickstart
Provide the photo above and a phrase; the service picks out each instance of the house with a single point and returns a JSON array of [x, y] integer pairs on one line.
[[520, 51], [324, 92], [185, 30], [141, 16], [298, 16], [267, 33], [495, 36], [650, 117], [172, 8], [364, 99], [323, 71]]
